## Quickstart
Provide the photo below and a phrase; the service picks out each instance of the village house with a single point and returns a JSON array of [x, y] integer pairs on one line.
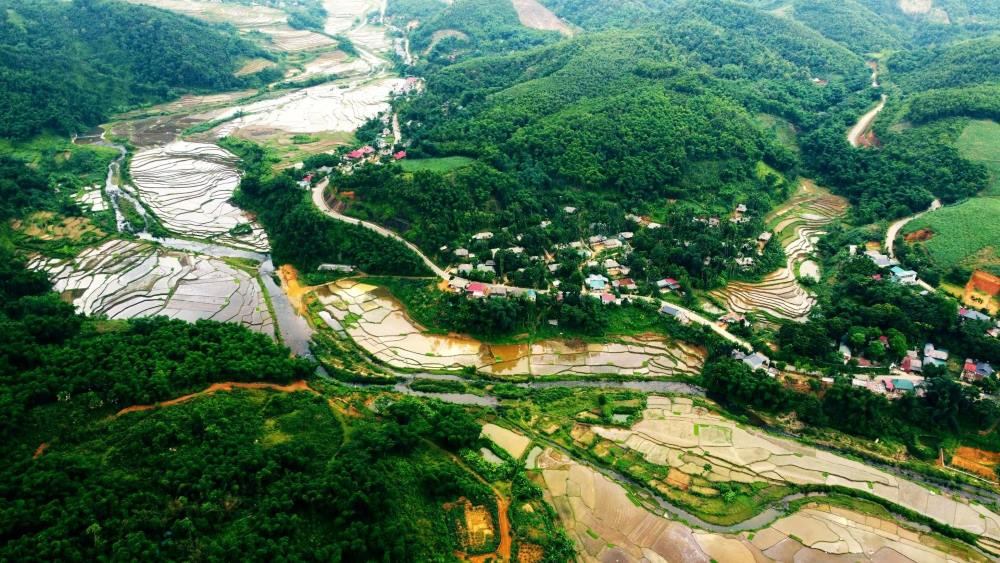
[[976, 371], [668, 284], [553, 268], [343, 268], [755, 361], [485, 269], [881, 260], [933, 356], [898, 386], [596, 282], [458, 285], [612, 244], [306, 182], [972, 315], [399, 155], [360, 153], [668, 309], [911, 363], [608, 299], [745, 262], [569, 210], [610, 263], [596, 239], [545, 224], [625, 284], [741, 208], [498, 291], [464, 269], [731, 318], [901, 276], [485, 235], [765, 237], [626, 235], [461, 253], [476, 289]]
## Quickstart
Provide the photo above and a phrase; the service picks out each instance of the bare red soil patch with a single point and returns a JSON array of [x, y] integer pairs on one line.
[[41, 449], [293, 387], [919, 236], [974, 460]]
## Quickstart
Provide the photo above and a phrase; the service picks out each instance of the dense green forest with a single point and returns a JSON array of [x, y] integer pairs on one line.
[[68, 65]]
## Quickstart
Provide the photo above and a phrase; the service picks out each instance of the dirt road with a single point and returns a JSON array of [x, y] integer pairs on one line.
[[293, 387], [890, 234], [863, 124]]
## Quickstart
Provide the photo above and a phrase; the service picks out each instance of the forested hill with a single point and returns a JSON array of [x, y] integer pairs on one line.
[[65, 66]]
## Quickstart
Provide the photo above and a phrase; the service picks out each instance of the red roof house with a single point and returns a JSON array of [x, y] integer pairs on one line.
[[399, 155]]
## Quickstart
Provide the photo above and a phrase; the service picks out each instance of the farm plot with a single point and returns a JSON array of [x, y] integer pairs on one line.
[[604, 522], [332, 63], [188, 187], [607, 525], [967, 234], [379, 325], [797, 225], [254, 18], [327, 107], [698, 443], [125, 279], [512, 442], [819, 529], [980, 142]]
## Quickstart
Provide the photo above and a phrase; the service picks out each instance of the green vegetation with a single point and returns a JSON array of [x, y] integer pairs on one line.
[[980, 142], [847, 22], [966, 234], [444, 164], [69, 65], [300, 234]]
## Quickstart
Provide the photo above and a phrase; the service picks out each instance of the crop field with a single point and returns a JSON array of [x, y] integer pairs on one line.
[[966, 234], [980, 142], [672, 434], [380, 325], [188, 187], [125, 280], [797, 225], [443, 164]]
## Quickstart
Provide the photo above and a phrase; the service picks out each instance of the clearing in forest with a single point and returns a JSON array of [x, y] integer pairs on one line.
[[980, 142], [536, 16], [966, 234]]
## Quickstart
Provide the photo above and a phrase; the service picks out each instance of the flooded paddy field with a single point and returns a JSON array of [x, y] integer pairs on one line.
[[327, 107], [126, 279], [380, 326], [188, 187], [697, 443], [607, 524], [797, 225], [271, 22]]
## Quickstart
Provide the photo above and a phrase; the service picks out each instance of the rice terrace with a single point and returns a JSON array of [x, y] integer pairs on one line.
[[542, 281]]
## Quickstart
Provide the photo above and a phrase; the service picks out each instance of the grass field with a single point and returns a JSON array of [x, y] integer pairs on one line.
[[980, 142], [967, 233], [443, 164], [781, 128]]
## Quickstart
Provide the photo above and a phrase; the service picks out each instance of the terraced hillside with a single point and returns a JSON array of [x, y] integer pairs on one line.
[[796, 225], [124, 280], [188, 186]]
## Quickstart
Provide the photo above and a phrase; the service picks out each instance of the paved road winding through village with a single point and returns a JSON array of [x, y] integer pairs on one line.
[[319, 199]]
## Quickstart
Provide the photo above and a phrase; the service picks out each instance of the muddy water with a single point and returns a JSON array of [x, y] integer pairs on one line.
[[295, 331]]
